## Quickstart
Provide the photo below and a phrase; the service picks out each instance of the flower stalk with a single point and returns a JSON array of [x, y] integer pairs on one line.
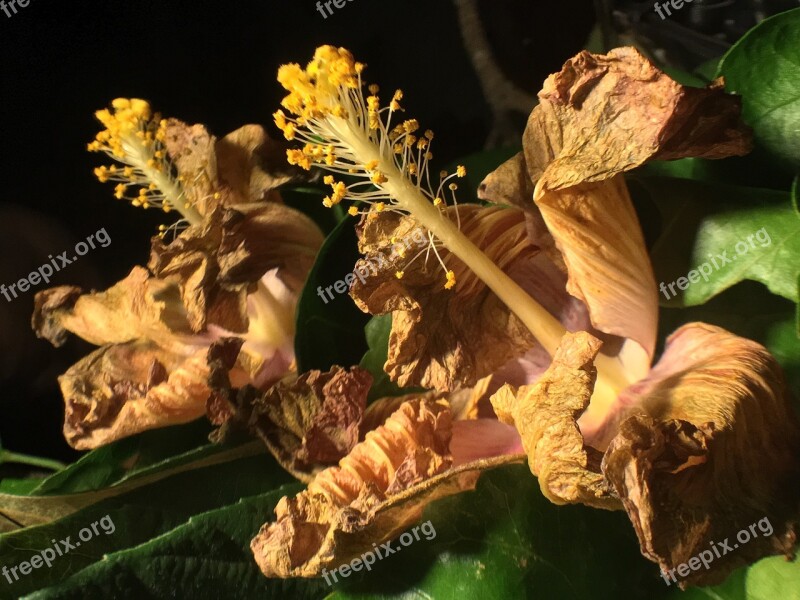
[[346, 134]]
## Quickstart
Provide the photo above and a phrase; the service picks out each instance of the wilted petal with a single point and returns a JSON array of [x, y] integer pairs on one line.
[[375, 493], [123, 389], [136, 307], [711, 448], [250, 165], [449, 339], [308, 422], [545, 414], [243, 167], [260, 237], [600, 116], [605, 114], [596, 228], [219, 261]]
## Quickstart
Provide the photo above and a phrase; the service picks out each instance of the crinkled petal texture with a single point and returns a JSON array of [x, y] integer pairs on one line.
[[446, 339], [243, 167], [708, 447], [712, 449], [308, 422], [123, 389], [150, 370], [376, 492], [239, 270], [605, 114], [546, 416]]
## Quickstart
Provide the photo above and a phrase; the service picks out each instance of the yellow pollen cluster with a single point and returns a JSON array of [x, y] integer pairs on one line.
[[347, 132], [451, 280], [134, 136]]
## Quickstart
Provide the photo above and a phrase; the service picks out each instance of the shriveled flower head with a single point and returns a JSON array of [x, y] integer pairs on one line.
[[234, 265]]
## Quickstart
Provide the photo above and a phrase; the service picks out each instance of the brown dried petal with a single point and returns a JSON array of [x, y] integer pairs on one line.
[[191, 259], [219, 261], [243, 167], [711, 449], [444, 339], [605, 114], [123, 389], [545, 414], [376, 492], [260, 237], [136, 307], [307, 422], [250, 165]]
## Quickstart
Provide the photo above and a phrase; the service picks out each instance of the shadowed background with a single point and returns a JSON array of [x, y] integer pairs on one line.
[[211, 63]]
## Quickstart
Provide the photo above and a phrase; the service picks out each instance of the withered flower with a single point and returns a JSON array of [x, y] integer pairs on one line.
[[600, 426], [705, 442], [234, 265]]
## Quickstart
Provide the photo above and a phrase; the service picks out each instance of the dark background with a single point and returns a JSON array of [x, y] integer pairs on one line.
[[211, 63]]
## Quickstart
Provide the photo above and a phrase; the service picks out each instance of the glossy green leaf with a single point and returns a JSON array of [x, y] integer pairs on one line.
[[730, 233], [769, 579], [140, 510], [207, 557], [109, 464], [764, 67], [329, 326]]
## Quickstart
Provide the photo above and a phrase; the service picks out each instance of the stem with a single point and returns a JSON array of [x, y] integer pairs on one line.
[[547, 330], [138, 156], [32, 461]]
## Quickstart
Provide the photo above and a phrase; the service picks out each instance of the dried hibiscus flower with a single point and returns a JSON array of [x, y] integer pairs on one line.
[[600, 426], [234, 264]]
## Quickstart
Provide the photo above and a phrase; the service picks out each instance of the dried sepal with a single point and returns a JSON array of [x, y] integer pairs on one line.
[[376, 492], [711, 448], [546, 414], [308, 422]]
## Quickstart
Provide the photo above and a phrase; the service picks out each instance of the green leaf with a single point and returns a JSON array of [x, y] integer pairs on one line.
[[329, 331], [505, 540], [19, 487], [108, 464], [764, 67], [757, 232], [768, 579], [207, 557], [154, 506]]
